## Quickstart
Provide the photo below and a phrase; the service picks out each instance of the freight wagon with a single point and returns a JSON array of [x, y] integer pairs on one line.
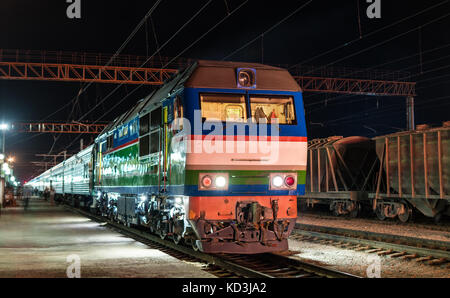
[[392, 175]]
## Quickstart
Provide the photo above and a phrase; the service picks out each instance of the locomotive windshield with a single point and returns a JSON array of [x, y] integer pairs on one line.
[[223, 107], [273, 107]]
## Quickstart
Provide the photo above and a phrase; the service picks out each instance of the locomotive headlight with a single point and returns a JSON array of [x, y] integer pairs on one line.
[[220, 182], [246, 78], [277, 181]]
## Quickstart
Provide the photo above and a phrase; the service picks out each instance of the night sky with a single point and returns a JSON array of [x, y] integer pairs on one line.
[[317, 28]]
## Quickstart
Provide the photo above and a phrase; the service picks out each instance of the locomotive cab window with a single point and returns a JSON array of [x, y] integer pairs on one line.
[[272, 108], [223, 107]]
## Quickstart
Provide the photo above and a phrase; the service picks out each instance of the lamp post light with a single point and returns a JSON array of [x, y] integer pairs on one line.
[[3, 127]]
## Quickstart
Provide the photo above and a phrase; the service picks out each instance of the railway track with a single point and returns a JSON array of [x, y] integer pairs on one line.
[[431, 252], [224, 265], [442, 226]]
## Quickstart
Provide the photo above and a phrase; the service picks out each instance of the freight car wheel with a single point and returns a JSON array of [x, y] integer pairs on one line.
[[355, 212], [380, 213], [437, 218], [405, 216]]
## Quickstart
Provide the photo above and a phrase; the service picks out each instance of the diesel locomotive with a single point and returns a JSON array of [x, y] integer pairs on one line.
[[215, 158]]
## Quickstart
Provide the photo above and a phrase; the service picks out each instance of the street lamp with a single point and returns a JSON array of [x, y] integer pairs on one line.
[[3, 127]]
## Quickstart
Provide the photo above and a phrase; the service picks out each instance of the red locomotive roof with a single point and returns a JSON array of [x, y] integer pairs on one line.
[[222, 75]]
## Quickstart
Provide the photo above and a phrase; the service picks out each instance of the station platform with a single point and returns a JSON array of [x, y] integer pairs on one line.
[[38, 242]]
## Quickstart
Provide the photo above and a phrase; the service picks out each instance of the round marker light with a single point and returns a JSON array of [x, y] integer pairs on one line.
[[206, 181], [220, 181], [143, 198], [277, 181], [289, 180]]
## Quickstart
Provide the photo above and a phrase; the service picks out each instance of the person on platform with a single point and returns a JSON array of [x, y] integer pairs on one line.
[[52, 196]]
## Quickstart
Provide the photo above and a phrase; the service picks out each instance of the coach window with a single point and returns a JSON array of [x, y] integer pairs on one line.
[[272, 108], [144, 136], [223, 107]]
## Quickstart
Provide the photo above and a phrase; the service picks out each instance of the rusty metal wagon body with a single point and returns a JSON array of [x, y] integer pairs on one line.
[[392, 174]]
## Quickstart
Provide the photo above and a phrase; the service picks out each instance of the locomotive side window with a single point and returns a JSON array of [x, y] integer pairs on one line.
[[144, 145], [110, 143], [178, 114], [154, 142], [271, 107], [150, 125], [144, 122], [144, 137], [156, 118], [223, 107]]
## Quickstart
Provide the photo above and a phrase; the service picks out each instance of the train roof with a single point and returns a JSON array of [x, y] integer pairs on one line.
[[222, 75]]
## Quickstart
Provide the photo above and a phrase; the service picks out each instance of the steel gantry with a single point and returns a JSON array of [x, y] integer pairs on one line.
[[82, 67], [58, 127], [83, 73]]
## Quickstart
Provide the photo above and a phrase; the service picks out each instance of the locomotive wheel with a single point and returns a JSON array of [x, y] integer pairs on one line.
[[404, 217], [380, 213], [194, 245], [162, 234], [177, 238]]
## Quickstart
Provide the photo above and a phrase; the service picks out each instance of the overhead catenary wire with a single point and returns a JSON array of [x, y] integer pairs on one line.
[[345, 44], [197, 40], [123, 45], [268, 30], [148, 59], [388, 40]]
